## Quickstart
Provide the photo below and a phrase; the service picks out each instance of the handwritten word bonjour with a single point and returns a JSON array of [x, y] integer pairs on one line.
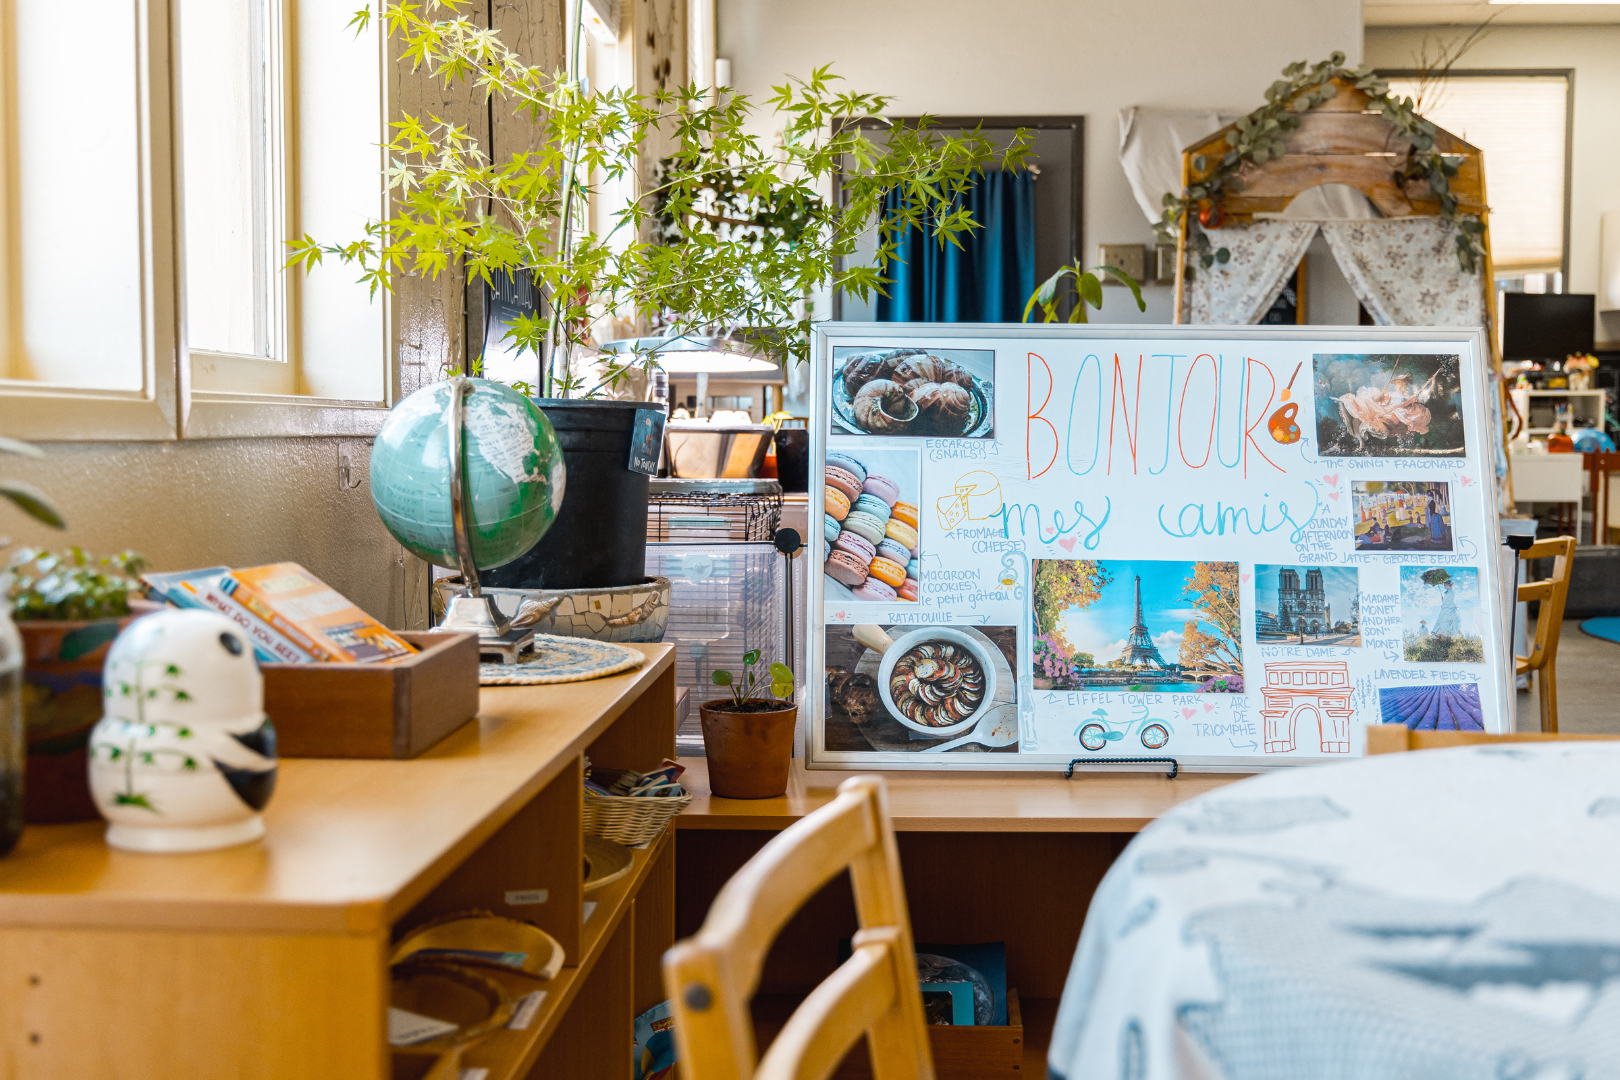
[[1204, 389]]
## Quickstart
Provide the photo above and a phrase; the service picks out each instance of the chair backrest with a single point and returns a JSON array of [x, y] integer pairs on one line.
[[1392, 738], [1552, 593], [711, 977]]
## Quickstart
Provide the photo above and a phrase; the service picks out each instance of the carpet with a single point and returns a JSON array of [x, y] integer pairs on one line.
[[1606, 628]]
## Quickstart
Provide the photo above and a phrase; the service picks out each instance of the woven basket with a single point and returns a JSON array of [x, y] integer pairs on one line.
[[630, 819]]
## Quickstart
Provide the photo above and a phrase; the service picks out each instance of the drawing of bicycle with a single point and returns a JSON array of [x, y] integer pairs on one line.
[[1098, 732]]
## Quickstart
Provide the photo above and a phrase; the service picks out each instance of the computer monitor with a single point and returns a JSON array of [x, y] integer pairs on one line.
[[1546, 326]]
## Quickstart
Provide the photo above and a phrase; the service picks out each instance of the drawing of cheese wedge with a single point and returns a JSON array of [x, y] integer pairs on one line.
[[977, 496]]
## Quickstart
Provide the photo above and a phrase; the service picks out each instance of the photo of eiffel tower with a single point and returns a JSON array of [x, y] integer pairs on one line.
[[1139, 648]]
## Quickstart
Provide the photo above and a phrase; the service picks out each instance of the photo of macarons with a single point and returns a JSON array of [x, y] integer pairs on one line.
[[870, 526]]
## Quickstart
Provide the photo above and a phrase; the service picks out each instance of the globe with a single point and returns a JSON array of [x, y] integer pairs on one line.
[[514, 475]]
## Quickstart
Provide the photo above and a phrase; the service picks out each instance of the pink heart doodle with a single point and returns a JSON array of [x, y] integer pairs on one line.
[[839, 615], [1067, 543], [1332, 479], [1189, 713], [1334, 495], [1467, 480], [1246, 578], [1208, 707]]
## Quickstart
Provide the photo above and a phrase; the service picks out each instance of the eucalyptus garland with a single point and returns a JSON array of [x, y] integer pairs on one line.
[[1264, 133]]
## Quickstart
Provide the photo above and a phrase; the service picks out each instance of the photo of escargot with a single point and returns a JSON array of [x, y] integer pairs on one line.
[[924, 393]]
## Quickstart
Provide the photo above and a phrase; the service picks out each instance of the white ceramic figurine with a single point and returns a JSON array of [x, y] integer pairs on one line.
[[184, 757]]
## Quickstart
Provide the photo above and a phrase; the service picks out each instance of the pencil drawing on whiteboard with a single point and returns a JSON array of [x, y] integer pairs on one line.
[[1137, 625], [1389, 405]]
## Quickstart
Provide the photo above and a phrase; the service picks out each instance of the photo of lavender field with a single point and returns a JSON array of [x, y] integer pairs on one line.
[[1448, 707]]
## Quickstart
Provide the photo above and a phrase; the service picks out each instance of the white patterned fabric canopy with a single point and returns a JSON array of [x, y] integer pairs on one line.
[[1244, 288], [1403, 270]]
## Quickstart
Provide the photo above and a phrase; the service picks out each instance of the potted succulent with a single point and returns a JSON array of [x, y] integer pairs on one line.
[[748, 739], [722, 230], [68, 608]]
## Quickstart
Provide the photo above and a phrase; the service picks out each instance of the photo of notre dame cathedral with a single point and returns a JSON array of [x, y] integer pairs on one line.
[[1315, 604]]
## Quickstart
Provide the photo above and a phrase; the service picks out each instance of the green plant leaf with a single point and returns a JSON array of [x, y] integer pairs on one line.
[[1125, 279], [781, 681], [720, 678], [33, 502], [17, 446], [751, 657]]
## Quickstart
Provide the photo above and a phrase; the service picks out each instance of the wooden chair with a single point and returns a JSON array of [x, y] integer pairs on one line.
[[711, 977], [1552, 593], [1393, 738]]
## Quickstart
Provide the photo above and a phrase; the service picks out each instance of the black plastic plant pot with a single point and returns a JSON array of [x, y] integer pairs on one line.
[[599, 539]]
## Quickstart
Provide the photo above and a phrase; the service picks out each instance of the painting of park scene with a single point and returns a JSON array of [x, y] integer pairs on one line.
[[1401, 515], [1440, 615], [1137, 625], [1377, 405], [1308, 605]]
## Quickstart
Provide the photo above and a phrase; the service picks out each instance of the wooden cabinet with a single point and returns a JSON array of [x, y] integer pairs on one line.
[[269, 960]]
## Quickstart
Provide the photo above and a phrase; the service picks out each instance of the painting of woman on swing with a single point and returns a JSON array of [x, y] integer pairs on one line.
[[1388, 405]]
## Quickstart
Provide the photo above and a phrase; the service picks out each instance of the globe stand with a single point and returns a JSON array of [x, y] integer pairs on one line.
[[474, 613]]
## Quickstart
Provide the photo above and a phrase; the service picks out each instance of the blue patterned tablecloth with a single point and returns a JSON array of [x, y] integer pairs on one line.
[[1432, 915]]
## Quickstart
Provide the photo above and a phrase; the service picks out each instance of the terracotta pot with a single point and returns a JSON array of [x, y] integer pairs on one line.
[[749, 752], [62, 662]]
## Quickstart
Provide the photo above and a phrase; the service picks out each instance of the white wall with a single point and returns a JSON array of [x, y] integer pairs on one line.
[[1045, 57], [1594, 53]]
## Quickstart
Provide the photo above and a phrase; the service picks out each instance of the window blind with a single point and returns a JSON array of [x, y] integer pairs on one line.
[[1519, 123]]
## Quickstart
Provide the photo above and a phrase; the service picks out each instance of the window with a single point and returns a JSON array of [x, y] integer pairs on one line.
[[88, 348], [1520, 121], [147, 199], [232, 195]]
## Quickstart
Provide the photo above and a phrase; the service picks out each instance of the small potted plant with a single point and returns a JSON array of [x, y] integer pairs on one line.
[[749, 739], [68, 608]]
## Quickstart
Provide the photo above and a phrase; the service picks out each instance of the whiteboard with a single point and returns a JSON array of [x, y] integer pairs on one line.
[[1234, 547]]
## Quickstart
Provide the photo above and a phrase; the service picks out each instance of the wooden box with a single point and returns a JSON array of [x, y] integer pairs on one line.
[[375, 710], [960, 1053], [969, 1053]]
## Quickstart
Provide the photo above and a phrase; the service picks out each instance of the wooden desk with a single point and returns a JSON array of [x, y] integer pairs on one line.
[[963, 802], [268, 960], [986, 857]]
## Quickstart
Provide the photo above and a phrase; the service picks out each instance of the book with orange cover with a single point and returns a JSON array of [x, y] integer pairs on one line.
[[313, 615]]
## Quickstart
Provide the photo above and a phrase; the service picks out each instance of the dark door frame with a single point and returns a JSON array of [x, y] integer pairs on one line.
[[1077, 163]]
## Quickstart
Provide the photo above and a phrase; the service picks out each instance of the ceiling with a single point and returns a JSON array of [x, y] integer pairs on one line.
[[1473, 12]]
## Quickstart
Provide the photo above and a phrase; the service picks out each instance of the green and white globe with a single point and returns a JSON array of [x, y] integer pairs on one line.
[[515, 473]]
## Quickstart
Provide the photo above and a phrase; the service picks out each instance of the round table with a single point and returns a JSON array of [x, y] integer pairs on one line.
[[1427, 915]]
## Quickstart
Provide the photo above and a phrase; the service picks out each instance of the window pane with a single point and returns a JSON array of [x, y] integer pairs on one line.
[[79, 189], [1518, 121], [224, 136]]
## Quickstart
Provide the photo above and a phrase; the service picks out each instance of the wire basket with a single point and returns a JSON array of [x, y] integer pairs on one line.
[[713, 511], [631, 819]]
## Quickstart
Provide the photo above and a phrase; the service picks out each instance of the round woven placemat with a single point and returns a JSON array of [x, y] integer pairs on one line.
[[562, 659]]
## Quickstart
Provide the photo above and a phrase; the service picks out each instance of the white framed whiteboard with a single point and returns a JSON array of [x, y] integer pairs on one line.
[[1235, 547]]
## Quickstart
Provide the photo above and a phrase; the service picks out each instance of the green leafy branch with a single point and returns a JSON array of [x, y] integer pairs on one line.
[[780, 681], [752, 237], [1264, 133]]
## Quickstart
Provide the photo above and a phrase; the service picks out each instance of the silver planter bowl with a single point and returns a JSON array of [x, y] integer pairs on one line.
[[626, 613]]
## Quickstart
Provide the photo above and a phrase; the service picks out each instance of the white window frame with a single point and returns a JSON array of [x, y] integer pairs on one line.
[[247, 397], [33, 409]]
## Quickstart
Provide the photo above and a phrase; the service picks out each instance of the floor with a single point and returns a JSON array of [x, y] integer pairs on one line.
[[1588, 686]]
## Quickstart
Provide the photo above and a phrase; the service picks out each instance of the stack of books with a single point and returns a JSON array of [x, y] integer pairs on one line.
[[290, 615]]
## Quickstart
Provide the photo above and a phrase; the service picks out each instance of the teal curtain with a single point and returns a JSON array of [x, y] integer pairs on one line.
[[988, 279]]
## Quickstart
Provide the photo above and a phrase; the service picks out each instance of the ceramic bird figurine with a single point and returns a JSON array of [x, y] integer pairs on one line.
[[184, 758]]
